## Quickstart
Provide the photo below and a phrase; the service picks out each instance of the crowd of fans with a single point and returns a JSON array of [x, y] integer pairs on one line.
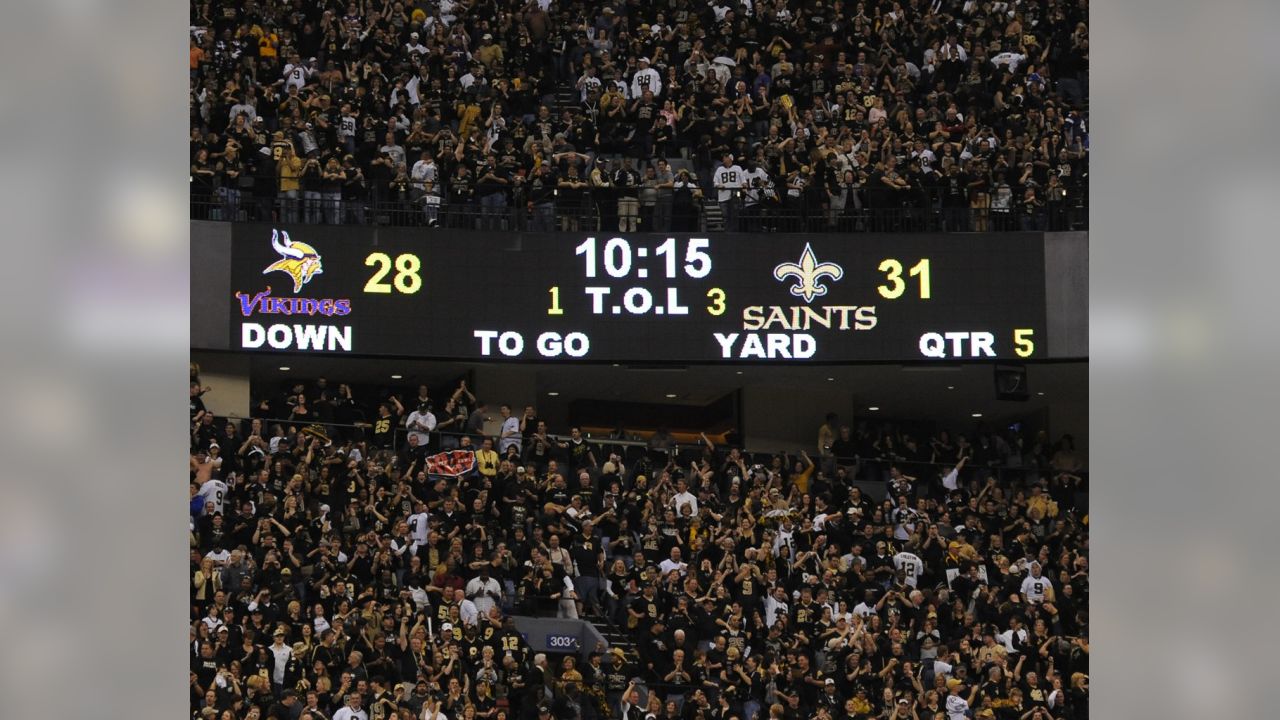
[[333, 577], [314, 110]]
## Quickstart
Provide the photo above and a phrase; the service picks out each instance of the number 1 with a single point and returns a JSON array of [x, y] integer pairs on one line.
[[555, 308], [922, 269]]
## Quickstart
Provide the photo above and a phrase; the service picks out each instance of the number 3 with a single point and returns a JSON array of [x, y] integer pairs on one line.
[[893, 273], [716, 296]]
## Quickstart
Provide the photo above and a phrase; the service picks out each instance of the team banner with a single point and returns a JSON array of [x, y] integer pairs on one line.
[[452, 463]]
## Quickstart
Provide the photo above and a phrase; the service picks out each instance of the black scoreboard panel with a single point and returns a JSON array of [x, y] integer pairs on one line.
[[638, 297]]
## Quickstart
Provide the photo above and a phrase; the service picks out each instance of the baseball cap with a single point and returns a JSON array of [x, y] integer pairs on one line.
[[644, 59], [830, 682], [954, 683], [543, 709], [446, 627]]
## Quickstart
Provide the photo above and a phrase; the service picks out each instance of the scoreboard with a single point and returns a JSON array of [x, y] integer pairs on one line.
[[637, 297]]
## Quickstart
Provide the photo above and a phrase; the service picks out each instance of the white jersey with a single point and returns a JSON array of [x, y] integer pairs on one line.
[[214, 491], [421, 424], [588, 84], [296, 75], [910, 563], [647, 79], [1036, 589], [1006, 639], [727, 179], [1012, 59], [904, 521], [346, 713], [418, 527], [750, 178], [685, 498]]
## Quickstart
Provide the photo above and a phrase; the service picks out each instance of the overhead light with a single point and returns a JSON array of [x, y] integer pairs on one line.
[[739, 372], [553, 393], [670, 395], [977, 414], [616, 365], [873, 408], [284, 368], [396, 377], [1040, 393], [951, 387], [831, 379]]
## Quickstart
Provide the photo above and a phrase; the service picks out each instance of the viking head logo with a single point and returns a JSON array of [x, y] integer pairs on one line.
[[809, 272], [298, 259]]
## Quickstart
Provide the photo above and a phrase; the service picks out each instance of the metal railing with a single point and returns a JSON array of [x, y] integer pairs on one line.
[[604, 213], [1010, 473]]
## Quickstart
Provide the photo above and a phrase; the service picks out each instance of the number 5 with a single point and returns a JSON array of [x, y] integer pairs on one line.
[[697, 261], [1022, 342]]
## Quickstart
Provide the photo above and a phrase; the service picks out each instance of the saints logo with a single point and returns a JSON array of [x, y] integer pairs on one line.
[[809, 273]]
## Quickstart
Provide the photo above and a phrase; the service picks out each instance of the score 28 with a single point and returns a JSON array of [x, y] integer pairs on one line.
[[407, 279]]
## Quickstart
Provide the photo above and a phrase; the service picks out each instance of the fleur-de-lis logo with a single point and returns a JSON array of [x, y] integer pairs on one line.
[[809, 272]]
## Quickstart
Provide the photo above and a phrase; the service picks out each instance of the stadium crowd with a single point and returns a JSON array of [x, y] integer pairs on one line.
[[333, 577], [461, 111]]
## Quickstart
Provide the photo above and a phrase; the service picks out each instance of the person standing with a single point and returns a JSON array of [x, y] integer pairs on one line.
[[684, 192], [648, 198], [664, 185], [290, 172], [510, 436], [421, 423], [281, 654], [627, 181], [728, 183], [601, 182]]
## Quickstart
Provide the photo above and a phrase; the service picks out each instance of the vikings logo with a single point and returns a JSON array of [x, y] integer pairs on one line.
[[298, 259]]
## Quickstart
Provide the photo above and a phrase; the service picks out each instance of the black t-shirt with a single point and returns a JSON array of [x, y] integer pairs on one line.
[[586, 555], [627, 182], [206, 670], [384, 430], [578, 452]]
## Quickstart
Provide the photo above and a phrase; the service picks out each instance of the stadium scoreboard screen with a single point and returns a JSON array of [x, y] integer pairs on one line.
[[616, 297]]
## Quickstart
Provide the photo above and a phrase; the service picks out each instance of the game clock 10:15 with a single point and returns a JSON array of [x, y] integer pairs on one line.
[[618, 259]]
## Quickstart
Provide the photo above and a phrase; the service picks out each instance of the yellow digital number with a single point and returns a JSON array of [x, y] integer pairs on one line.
[[375, 284], [716, 296], [407, 280], [1023, 345], [892, 270], [893, 273], [555, 308], [922, 269]]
